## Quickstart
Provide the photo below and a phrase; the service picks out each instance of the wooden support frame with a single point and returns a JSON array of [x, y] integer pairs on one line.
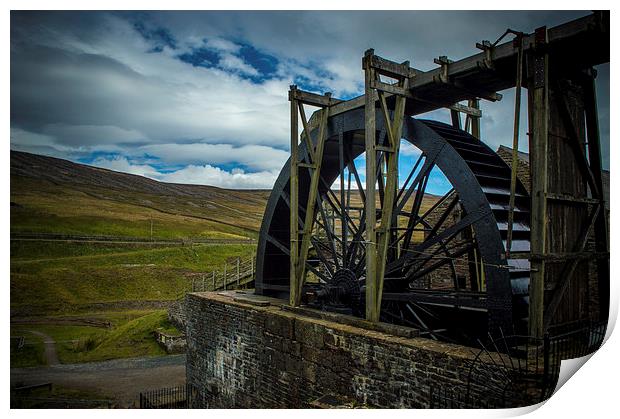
[[445, 87], [378, 238], [299, 248]]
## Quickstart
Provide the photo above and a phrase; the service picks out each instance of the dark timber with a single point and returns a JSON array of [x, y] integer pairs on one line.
[[377, 266]]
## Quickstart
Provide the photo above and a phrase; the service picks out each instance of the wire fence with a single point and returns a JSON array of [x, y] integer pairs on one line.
[[517, 371], [179, 397]]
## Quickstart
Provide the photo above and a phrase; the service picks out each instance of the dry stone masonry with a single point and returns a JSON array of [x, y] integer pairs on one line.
[[249, 352]]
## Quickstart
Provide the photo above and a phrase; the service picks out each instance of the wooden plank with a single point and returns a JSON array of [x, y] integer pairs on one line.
[[390, 88], [313, 99], [565, 279], [467, 110], [572, 199], [387, 67]]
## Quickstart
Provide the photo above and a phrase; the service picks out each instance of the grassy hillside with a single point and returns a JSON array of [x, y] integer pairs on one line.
[[130, 335], [53, 196], [39, 206], [64, 283]]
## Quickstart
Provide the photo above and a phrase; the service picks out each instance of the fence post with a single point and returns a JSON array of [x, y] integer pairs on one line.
[[224, 276], [193, 285], [203, 283], [213, 281], [238, 273]]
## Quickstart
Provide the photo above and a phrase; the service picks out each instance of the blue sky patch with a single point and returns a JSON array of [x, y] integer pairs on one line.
[[266, 64], [201, 57], [161, 37]]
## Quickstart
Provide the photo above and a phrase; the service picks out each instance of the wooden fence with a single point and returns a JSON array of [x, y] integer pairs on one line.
[[236, 275]]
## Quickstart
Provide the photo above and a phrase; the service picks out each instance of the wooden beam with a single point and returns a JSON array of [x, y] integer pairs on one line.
[[312, 99], [601, 227], [475, 121], [394, 134], [538, 93], [387, 67], [370, 97], [294, 298], [560, 34], [311, 205], [595, 26]]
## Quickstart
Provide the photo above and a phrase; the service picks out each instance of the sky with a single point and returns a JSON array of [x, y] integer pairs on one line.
[[201, 97]]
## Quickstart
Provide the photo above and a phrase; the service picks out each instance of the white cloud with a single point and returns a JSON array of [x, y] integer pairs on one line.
[[121, 164], [236, 64], [221, 44], [194, 174], [91, 84], [209, 175], [255, 157]]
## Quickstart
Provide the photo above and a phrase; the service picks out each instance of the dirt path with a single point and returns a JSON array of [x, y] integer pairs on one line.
[[120, 379], [51, 356]]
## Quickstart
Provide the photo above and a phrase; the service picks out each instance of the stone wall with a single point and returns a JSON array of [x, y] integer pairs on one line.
[[176, 314], [246, 354]]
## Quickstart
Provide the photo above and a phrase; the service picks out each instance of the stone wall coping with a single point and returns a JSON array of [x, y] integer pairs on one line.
[[275, 307]]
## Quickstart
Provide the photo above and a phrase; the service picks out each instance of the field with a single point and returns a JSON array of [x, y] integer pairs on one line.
[[130, 335], [57, 278], [88, 243]]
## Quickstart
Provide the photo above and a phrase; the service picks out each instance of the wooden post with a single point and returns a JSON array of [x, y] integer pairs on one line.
[[378, 239], [475, 120], [601, 229], [394, 131], [238, 273], [294, 201], [312, 196], [225, 277], [299, 251], [203, 282], [515, 147], [371, 173], [456, 118], [538, 93]]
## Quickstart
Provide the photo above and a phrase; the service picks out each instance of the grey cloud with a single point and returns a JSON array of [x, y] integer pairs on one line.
[[84, 81]]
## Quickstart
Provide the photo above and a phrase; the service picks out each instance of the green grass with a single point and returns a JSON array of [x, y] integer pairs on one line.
[[59, 284], [33, 250], [43, 207], [131, 336], [134, 338], [32, 354]]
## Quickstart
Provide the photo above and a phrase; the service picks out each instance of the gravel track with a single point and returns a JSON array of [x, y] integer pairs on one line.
[[119, 379]]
